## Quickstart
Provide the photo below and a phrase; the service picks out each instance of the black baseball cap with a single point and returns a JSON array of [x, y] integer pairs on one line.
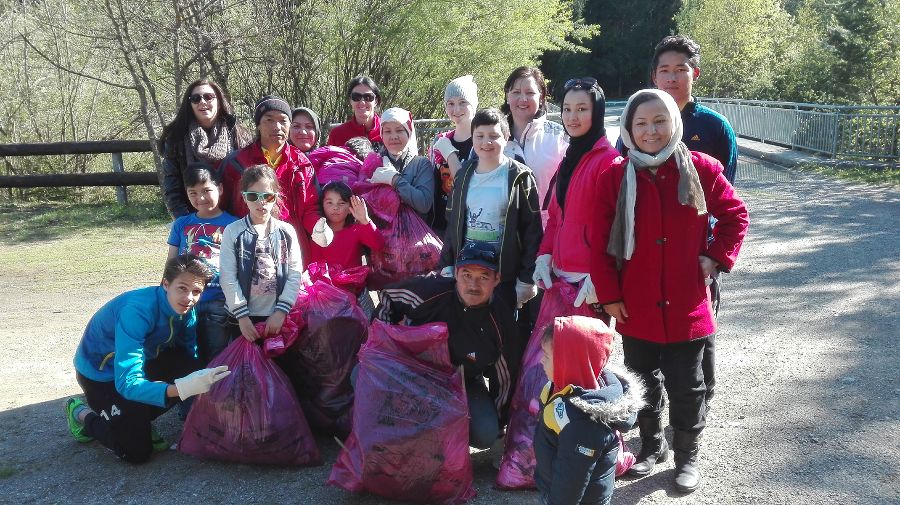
[[479, 253]]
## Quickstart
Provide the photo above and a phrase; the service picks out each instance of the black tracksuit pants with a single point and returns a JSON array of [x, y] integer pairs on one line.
[[121, 425]]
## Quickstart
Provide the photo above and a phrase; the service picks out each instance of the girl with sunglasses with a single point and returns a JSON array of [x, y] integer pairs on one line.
[[565, 250], [205, 129], [650, 261], [259, 267], [364, 97]]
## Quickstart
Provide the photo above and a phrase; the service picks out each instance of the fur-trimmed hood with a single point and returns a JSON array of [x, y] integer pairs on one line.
[[608, 405]]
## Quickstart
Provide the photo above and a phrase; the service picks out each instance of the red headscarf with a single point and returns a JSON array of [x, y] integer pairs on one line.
[[581, 348]]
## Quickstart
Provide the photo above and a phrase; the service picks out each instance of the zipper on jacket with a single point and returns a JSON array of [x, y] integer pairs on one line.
[[105, 359], [171, 335]]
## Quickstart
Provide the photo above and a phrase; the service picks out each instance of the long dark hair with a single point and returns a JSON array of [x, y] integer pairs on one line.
[[344, 191], [178, 128], [521, 73]]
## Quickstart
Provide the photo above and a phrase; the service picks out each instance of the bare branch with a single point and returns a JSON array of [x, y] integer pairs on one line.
[[72, 71]]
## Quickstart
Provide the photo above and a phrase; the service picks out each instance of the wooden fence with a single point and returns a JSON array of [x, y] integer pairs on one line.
[[118, 177]]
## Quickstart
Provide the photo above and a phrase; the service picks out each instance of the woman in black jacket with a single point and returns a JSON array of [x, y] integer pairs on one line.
[[205, 129]]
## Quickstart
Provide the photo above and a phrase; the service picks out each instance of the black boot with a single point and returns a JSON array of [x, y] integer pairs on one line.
[[654, 448], [687, 472]]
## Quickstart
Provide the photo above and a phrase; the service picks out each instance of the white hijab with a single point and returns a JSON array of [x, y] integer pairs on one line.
[[403, 117], [690, 192]]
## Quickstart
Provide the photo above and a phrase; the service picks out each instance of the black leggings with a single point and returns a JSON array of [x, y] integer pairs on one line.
[[121, 425]]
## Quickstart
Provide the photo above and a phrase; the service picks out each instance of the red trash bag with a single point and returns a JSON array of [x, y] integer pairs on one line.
[[251, 416], [410, 248], [410, 438], [517, 465], [326, 352]]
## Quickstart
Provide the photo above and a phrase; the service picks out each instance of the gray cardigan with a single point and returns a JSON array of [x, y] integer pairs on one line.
[[416, 183]]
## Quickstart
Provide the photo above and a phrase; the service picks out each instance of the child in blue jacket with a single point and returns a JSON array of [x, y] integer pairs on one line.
[[583, 405], [137, 358]]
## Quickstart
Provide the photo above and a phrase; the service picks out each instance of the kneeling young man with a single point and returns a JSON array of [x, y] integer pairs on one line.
[[137, 358], [483, 336]]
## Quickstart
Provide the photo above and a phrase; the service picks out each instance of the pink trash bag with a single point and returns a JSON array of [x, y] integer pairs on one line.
[[351, 279], [326, 352], [276, 345], [625, 458], [334, 163], [517, 465], [410, 438], [410, 248], [251, 416]]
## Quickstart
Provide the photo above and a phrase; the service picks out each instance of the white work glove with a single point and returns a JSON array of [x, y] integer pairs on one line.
[[541, 275], [524, 292], [444, 146], [322, 234], [385, 173], [200, 381], [586, 294], [448, 271]]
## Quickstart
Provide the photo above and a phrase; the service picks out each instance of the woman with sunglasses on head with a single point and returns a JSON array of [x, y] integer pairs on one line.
[[534, 140], [205, 129], [565, 250], [299, 202], [650, 261], [364, 97]]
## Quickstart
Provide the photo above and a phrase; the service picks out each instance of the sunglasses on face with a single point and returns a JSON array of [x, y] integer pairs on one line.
[[368, 97], [252, 196], [584, 83], [206, 97]]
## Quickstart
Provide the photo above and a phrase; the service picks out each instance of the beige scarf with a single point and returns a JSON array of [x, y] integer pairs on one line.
[[621, 237]]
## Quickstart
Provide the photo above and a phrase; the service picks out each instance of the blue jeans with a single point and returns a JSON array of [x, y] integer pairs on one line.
[[484, 421], [214, 332]]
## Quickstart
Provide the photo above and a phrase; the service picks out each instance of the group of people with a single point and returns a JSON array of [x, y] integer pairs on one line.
[[641, 230]]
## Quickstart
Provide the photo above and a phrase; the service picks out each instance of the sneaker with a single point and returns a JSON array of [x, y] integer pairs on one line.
[[159, 443], [74, 407]]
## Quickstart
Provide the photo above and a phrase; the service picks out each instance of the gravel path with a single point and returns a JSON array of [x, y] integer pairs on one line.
[[807, 408]]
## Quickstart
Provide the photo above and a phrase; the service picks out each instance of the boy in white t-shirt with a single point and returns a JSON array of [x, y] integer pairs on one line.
[[495, 200]]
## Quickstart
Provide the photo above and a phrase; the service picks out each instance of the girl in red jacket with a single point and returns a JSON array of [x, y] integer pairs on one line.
[[650, 264], [347, 215]]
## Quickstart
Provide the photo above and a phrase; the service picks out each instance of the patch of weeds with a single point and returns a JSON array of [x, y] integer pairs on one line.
[[7, 471], [859, 172]]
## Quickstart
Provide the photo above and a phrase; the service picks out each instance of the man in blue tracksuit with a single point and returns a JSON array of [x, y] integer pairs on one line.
[[137, 358]]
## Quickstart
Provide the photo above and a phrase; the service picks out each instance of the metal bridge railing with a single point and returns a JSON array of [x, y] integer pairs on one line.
[[845, 131]]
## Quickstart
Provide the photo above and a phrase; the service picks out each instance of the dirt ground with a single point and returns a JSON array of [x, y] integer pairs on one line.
[[806, 411]]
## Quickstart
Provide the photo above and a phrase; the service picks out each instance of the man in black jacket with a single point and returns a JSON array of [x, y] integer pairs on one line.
[[483, 336]]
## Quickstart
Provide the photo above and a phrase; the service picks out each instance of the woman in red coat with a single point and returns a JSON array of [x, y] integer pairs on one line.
[[650, 267]]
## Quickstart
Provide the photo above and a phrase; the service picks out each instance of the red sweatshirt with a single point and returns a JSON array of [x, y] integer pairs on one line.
[[346, 248]]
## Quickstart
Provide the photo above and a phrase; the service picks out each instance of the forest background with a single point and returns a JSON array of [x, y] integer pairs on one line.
[[116, 69]]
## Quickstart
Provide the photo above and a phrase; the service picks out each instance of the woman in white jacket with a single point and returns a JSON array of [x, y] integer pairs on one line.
[[535, 141]]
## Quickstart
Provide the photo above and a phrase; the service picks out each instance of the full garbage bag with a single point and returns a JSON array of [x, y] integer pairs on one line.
[[410, 438]]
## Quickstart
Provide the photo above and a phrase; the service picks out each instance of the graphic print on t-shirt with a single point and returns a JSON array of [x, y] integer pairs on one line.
[[486, 201], [264, 278]]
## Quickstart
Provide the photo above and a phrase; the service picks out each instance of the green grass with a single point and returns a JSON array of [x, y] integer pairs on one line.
[[77, 252], [889, 175], [7, 471], [29, 222]]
